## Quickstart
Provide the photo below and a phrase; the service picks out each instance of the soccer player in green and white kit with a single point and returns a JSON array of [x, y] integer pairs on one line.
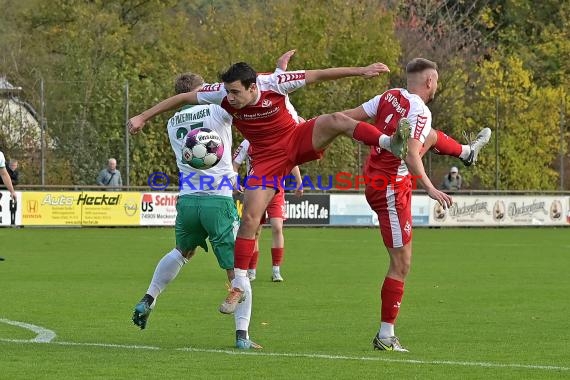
[[201, 212]]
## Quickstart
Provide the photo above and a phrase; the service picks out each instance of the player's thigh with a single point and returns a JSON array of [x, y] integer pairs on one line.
[[328, 127], [301, 145], [255, 202], [219, 217], [430, 141], [188, 229], [393, 206]]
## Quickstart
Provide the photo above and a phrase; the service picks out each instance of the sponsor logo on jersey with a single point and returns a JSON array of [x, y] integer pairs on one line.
[[290, 77], [259, 115], [391, 99]]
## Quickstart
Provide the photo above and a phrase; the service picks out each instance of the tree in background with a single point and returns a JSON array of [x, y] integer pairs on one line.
[[86, 52]]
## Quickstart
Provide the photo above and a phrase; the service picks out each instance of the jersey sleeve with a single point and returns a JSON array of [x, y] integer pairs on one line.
[[241, 152], [420, 119], [211, 94], [371, 106], [285, 82], [2, 160]]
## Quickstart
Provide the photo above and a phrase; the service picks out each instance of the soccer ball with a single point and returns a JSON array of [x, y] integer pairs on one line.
[[203, 148]]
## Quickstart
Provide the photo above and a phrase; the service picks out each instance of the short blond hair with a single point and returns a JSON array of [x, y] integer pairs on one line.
[[187, 82], [417, 65]]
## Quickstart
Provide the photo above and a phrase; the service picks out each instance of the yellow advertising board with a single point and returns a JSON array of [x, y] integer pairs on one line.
[[105, 208], [97, 208], [53, 208]]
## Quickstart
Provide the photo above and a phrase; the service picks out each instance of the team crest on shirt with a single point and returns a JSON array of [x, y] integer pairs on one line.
[[266, 103]]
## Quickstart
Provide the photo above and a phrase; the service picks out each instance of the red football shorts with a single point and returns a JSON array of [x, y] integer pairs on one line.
[[393, 206], [276, 208], [267, 170]]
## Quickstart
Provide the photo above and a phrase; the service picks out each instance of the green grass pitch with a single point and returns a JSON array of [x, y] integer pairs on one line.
[[479, 303]]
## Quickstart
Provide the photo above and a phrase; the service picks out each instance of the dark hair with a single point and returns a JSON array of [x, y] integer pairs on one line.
[[239, 71], [187, 82], [417, 65]]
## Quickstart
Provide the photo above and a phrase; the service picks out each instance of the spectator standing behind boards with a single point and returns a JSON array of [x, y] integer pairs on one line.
[[13, 172], [452, 181], [110, 177]]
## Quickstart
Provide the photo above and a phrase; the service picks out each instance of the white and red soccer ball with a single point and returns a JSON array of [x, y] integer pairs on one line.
[[203, 148]]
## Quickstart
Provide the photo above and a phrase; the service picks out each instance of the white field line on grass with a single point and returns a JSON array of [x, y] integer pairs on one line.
[[42, 335], [46, 336]]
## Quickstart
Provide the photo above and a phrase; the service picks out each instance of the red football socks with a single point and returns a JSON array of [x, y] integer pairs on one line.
[[446, 145], [243, 252], [367, 134], [277, 256], [253, 261], [391, 295]]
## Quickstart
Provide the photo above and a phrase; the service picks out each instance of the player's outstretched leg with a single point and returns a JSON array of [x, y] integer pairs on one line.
[[445, 145], [142, 311], [167, 269], [479, 142], [328, 127]]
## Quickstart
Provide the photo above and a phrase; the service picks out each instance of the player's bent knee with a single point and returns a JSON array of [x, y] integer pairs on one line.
[[340, 121], [187, 254], [249, 225], [400, 261]]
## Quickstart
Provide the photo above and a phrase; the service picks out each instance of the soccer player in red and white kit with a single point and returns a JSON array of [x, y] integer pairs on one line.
[[276, 214], [261, 111], [393, 204]]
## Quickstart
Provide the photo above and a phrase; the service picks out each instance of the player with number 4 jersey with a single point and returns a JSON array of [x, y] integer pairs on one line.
[[393, 203]]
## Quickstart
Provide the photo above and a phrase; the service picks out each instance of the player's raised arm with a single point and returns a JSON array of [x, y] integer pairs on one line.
[[136, 123], [357, 113], [373, 70]]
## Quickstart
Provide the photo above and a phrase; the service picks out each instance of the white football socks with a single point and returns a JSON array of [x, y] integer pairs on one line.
[[242, 314], [166, 270], [465, 150], [240, 273], [384, 142], [386, 330]]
